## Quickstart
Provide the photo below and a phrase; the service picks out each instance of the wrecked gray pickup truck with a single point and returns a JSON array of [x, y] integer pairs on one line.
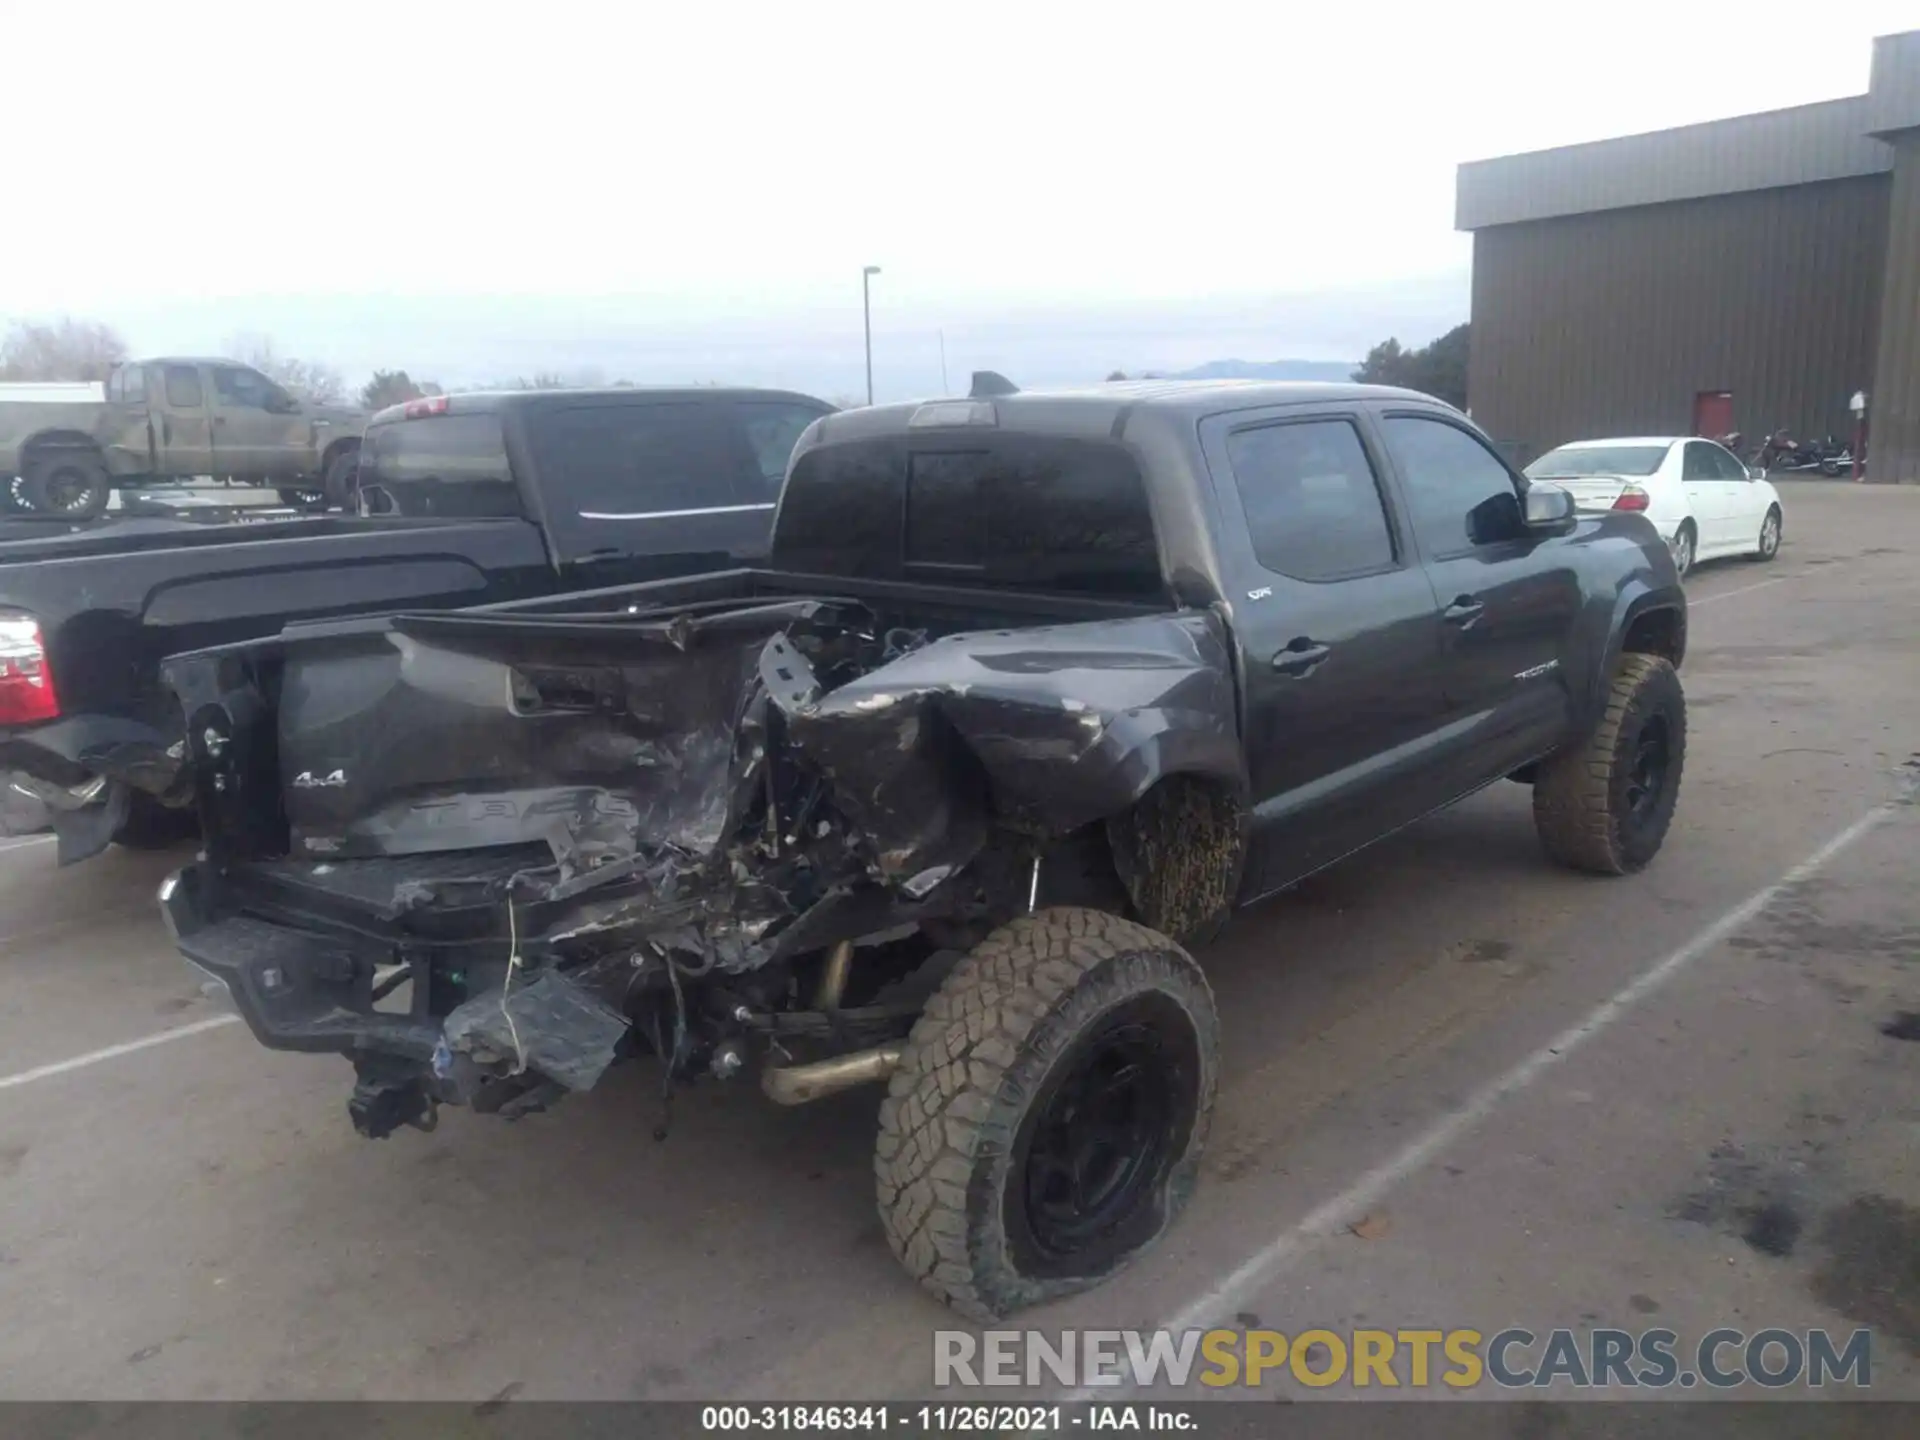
[[1034, 690]]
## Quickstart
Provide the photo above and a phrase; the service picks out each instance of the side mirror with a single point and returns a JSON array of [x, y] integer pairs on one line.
[[1548, 507], [1754, 472]]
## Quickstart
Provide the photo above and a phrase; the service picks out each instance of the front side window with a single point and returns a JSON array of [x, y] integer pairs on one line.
[[1728, 464], [133, 383], [236, 388], [183, 388], [1459, 493], [1311, 499]]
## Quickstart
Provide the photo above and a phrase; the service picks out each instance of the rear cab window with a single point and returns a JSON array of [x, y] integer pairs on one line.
[[439, 465], [1019, 512]]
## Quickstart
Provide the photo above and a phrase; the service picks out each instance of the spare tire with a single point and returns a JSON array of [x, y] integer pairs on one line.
[[73, 484]]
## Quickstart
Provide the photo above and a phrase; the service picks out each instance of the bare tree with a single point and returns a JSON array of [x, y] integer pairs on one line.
[[63, 349], [320, 384], [539, 380]]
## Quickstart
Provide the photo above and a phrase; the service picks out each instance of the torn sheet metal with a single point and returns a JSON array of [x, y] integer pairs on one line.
[[1064, 724]]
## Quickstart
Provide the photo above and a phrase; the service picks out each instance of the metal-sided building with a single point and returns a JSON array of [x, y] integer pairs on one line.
[[1749, 274]]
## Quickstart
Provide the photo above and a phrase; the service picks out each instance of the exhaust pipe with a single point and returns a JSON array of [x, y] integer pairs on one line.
[[799, 1084], [833, 977]]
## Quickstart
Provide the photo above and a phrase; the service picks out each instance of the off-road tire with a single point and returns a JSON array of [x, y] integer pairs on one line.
[[13, 500], [53, 474], [151, 825], [1012, 1023], [302, 497], [1581, 803]]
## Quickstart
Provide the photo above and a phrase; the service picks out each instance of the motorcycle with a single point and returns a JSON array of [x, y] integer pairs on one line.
[[1782, 454]]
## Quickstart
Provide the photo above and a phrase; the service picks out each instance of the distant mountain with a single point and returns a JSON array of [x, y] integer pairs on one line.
[[1269, 370]]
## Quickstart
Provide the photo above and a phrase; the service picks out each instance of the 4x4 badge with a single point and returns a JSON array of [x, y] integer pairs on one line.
[[306, 780]]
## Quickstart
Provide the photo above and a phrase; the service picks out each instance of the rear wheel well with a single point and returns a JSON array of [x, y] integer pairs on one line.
[[1179, 851], [1657, 632], [336, 450], [66, 441]]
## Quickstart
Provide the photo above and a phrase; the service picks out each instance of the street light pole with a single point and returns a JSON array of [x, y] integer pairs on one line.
[[866, 314]]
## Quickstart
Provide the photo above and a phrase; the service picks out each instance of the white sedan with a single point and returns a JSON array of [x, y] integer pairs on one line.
[[1698, 494]]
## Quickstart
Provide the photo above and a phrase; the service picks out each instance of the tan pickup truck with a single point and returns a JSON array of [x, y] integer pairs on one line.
[[171, 419]]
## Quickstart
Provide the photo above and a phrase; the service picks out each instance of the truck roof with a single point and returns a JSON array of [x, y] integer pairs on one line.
[[486, 402], [1104, 408]]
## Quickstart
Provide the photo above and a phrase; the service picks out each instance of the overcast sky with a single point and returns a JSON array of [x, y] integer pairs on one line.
[[689, 192]]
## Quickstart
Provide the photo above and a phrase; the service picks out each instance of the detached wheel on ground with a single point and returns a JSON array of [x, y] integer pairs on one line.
[[1605, 805], [1769, 543], [1046, 1122], [73, 484]]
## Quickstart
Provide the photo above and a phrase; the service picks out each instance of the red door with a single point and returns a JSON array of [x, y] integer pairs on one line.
[[1713, 413]]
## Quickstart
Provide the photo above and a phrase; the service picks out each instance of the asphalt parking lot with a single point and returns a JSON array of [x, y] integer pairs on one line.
[[1539, 1098]]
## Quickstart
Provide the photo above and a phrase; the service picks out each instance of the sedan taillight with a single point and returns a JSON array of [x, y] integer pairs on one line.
[[1631, 498], [26, 685]]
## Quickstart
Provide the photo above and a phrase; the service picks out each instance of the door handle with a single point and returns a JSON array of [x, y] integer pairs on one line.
[[1300, 657], [1464, 611]]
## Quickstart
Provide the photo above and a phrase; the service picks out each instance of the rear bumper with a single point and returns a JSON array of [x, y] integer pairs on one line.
[[420, 1010], [296, 989]]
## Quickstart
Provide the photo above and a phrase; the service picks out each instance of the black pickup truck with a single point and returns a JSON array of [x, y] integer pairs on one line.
[[466, 499], [1035, 690]]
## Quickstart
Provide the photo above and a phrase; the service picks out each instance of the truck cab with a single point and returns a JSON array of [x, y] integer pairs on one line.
[[172, 419]]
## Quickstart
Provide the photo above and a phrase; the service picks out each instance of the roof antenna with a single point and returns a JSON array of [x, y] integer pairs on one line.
[[989, 383]]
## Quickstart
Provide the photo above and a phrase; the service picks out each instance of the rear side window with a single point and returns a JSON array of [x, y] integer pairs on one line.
[[447, 465], [1312, 502], [183, 388], [1022, 512], [624, 462]]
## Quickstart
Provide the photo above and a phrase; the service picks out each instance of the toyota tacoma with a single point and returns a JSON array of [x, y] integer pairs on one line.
[[1034, 689]]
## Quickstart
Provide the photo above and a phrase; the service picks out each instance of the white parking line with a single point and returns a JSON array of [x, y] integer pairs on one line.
[[1693, 604], [114, 1052], [22, 842], [1232, 1292]]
